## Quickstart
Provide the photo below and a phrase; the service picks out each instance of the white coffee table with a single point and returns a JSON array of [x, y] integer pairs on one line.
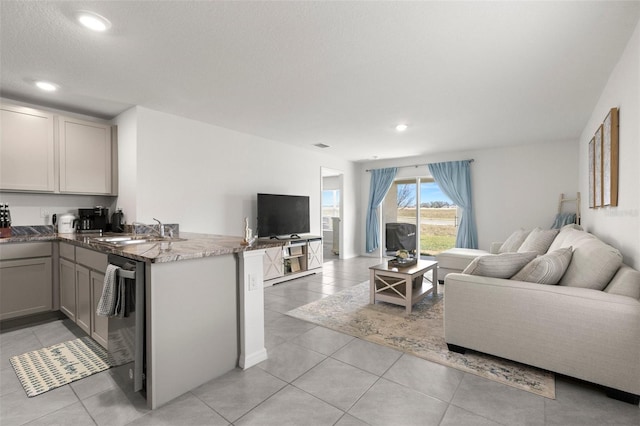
[[403, 286]]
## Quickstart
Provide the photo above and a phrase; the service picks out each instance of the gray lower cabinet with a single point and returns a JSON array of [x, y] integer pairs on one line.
[[81, 283], [68, 288], [26, 286], [83, 298], [99, 324]]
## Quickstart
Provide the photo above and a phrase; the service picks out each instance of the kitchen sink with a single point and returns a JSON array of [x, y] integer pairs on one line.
[[127, 240]]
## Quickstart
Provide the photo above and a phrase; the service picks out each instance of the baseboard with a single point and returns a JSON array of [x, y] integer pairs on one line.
[[30, 320], [249, 360], [627, 397]]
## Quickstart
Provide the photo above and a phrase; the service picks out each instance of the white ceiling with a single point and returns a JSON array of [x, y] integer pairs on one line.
[[463, 75]]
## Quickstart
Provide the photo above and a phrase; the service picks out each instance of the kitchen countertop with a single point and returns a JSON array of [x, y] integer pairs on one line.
[[193, 245]]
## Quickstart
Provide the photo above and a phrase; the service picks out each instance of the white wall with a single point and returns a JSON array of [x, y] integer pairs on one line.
[[513, 187], [619, 225], [206, 177], [127, 123]]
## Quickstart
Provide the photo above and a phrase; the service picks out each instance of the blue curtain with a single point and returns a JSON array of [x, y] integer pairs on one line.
[[381, 181], [454, 179]]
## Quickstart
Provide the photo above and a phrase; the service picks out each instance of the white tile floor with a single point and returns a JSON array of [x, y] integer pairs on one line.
[[314, 376]]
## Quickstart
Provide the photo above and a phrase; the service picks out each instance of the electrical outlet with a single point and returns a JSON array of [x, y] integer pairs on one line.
[[253, 283], [44, 212]]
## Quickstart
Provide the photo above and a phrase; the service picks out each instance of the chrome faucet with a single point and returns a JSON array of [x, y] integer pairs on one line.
[[159, 231], [161, 227]]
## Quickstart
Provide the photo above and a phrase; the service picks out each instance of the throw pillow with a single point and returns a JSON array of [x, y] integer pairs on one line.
[[503, 265], [593, 265], [513, 243], [538, 240], [546, 269]]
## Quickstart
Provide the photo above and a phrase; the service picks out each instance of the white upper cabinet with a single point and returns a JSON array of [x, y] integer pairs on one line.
[[44, 152], [85, 157], [26, 150]]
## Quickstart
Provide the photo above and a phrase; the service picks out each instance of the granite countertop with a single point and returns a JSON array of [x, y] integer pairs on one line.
[[191, 245]]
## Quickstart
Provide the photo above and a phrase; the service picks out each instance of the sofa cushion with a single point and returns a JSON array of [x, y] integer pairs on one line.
[[513, 243], [546, 269], [625, 282], [457, 259], [503, 265], [593, 265], [569, 235], [538, 240]]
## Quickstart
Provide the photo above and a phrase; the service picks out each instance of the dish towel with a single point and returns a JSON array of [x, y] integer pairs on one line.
[[110, 292], [121, 298]]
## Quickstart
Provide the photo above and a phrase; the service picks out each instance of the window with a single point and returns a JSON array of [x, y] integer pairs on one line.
[[330, 208], [435, 220]]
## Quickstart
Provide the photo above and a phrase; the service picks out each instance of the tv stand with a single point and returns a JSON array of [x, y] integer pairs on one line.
[[300, 255], [291, 237]]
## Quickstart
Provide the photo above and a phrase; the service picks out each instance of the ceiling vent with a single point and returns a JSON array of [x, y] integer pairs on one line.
[[321, 145]]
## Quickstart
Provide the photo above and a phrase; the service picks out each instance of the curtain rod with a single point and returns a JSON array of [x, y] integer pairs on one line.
[[416, 165]]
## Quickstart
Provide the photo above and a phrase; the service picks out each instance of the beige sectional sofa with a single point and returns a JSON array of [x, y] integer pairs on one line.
[[586, 326]]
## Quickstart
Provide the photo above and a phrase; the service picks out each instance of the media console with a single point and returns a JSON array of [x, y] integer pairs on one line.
[[296, 258]]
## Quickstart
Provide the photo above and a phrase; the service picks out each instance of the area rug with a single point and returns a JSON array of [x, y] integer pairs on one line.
[[421, 334], [49, 368]]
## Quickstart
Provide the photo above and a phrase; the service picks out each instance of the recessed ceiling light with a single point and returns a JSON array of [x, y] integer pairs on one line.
[[46, 86], [401, 127], [321, 145], [93, 21]]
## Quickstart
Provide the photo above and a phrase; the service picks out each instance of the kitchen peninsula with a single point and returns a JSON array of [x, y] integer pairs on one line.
[[204, 305]]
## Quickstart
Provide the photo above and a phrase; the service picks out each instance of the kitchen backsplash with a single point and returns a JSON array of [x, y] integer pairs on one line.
[[21, 231], [144, 228]]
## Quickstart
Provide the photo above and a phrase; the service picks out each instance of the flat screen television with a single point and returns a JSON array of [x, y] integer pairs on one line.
[[284, 215]]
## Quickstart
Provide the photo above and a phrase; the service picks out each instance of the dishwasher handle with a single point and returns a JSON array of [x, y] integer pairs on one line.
[[123, 273]]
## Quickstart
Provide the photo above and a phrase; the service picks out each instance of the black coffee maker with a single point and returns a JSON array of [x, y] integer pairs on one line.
[[117, 221], [95, 219]]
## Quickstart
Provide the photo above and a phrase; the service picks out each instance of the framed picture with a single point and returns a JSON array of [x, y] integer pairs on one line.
[[610, 159], [592, 184], [597, 168]]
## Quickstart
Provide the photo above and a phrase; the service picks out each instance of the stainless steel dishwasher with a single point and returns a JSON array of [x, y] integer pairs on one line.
[[126, 342]]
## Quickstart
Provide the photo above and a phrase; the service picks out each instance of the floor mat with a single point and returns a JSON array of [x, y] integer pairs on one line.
[[49, 368]]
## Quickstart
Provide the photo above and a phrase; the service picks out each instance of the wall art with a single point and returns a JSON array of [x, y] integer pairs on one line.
[[592, 184], [597, 169], [610, 159], [603, 162]]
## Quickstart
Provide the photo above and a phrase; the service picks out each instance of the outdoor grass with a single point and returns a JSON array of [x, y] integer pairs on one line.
[[433, 238], [428, 213], [437, 238]]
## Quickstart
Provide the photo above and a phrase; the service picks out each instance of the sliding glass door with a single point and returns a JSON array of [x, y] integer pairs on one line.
[[420, 204], [400, 208], [438, 220]]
